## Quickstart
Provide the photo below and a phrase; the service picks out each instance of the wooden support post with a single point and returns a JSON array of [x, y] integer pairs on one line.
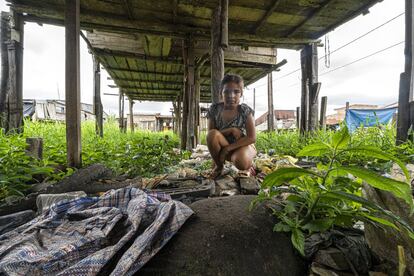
[[314, 87], [34, 147], [324, 105], [4, 38], [97, 103], [305, 92], [254, 100], [179, 114], [298, 118], [190, 87], [270, 108], [197, 106], [219, 21], [15, 80], [184, 122], [346, 107], [406, 79], [120, 112], [131, 115], [72, 80]]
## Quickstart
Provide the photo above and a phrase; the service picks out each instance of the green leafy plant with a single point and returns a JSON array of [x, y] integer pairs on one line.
[[330, 195]]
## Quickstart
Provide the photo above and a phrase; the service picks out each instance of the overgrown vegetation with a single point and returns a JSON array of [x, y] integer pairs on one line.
[[139, 153], [330, 195]]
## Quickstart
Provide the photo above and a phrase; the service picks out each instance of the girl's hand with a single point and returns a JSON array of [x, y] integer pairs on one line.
[[236, 132], [223, 154]]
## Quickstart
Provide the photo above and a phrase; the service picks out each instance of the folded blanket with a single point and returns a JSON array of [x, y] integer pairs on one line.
[[115, 234]]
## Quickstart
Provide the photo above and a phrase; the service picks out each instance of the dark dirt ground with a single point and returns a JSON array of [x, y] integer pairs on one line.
[[225, 238]]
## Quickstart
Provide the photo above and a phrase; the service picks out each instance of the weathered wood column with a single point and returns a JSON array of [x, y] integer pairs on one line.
[[185, 102], [305, 93], [97, 102], [270, 108], [298, 118], [4, 38], [121, 105], [15, 80], [314, 87], [72, 83], [406, 78], [310, 88], [191, 94], [219, 41], [197, 106], [131, 115], [324, 105]]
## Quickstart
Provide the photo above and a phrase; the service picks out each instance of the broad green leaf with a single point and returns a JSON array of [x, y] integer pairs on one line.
[[374, 152], [318, 225], [281, 227], [317, 150], [341, 138], [380, 220], [298, 240], [283, 175], [370, 205], [397, 188]]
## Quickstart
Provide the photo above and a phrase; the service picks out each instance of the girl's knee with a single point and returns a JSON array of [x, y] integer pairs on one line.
[[242, 162], [212, 134]]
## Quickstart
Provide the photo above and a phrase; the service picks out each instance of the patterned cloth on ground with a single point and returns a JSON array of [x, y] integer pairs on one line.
[[115, 234]]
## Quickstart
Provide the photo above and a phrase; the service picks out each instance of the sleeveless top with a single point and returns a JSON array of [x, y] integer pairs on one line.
[[215, 113]]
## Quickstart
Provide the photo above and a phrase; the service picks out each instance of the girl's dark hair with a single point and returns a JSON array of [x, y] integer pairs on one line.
[[232, 78]]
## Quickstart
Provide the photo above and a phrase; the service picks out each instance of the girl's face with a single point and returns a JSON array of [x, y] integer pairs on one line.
[[232, 92]]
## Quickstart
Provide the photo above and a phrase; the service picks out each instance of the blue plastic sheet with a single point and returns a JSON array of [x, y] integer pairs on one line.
[[368, 117]]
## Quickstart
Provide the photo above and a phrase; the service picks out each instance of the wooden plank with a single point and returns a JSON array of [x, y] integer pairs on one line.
[[314, 14], [4, 37], [270, 108], [97, 102], [266, 15], [34, 147], [72, 83], [324, 105], [164, 60], [254, 99], [15, 79], [217, 55]]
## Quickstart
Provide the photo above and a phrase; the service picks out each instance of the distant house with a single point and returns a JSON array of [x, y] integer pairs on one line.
[[284, 119], [339, 116], [151, 121], [54, 110]]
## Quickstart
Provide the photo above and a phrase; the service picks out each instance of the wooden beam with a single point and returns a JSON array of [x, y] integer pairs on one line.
[[312, 15], [4, 37], [155, 73], [131, 115], [324, 105], [217, 54], [72, 80], [156, 81], [268, 13], [185, 99], [163, 60], [314, 87], [126, 87], [97, 102], [270, 107]]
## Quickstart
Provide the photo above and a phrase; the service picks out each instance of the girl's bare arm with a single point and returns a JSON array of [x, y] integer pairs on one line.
[[249, 139]]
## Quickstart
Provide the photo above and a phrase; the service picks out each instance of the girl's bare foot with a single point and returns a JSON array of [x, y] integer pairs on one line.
[[216, 172]]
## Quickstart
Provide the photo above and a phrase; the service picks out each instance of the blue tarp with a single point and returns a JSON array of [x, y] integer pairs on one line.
[[368, 117]]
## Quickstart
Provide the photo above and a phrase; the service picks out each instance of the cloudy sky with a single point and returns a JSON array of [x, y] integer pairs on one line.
[[372, 80]]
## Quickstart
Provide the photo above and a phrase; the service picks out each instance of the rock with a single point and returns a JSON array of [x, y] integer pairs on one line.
[[398, 174], [332, 258], [249, 185], [318, 270], [384, 242], [44, 201], [225, 238], [12, 221], [226, 186]]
